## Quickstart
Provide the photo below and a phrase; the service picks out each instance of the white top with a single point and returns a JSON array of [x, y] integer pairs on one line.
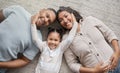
[[50, 60]]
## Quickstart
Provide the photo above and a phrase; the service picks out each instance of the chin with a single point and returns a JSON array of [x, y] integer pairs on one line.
[[69, 28]]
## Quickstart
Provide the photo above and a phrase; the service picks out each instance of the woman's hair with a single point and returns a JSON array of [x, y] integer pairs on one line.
[[70, 10], [58, 30]]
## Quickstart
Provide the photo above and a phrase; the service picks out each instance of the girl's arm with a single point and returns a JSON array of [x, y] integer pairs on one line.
[[65, 43], [36, 40]]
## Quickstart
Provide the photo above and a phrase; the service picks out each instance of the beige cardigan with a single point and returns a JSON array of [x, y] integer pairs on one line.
[[89, 45]]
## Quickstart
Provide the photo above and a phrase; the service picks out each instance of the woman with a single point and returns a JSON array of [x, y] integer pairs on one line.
[[90, 51]]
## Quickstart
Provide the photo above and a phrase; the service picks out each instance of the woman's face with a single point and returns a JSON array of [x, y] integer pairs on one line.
[[45, 17], [65, 19]]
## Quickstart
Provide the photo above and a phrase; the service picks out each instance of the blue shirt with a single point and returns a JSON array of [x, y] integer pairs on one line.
[[15, 34]]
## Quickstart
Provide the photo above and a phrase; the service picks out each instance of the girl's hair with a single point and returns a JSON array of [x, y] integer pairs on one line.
[[58, 30], [70, 10]]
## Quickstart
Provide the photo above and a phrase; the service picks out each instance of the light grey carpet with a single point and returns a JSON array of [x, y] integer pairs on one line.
[[106, 10]]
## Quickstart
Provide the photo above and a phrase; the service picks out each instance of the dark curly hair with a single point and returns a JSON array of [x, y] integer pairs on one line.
[[58, 30], [70, 10]]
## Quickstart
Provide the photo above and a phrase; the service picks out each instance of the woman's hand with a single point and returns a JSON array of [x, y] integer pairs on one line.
[[100, 68], [114, 60]]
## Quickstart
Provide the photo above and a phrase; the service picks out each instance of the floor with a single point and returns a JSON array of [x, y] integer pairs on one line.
[[106, 10]]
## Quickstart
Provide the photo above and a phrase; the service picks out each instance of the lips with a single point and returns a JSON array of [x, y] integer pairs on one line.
[[52, 46], [68, 25]]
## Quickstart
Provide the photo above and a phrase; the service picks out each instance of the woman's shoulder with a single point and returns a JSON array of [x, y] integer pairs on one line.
[[90, 18]]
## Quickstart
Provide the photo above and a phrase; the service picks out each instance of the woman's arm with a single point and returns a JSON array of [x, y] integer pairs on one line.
[[110, 36], [75, 65], [72, 60], [20, 62], [98, 69], [116, 55]]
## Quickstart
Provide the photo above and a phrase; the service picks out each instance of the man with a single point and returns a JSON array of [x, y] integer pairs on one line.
[[15, 35]]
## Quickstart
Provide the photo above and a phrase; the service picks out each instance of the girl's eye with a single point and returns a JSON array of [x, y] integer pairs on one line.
[[56, 40]]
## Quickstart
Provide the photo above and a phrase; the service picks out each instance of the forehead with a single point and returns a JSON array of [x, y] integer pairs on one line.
[[63, 13], [50, 13], [54, 35], [47, 11]]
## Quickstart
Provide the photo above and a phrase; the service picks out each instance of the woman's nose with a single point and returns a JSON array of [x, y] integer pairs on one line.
[[65, 20]]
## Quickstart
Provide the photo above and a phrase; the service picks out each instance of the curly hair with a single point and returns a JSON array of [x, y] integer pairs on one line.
[[70, 10]]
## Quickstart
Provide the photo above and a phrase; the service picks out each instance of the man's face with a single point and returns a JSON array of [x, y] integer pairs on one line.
[[45, 18]]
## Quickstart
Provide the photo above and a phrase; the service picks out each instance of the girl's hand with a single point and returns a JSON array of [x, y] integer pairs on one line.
[[34, 18], [114, 61], [101, 68], [73, 17]]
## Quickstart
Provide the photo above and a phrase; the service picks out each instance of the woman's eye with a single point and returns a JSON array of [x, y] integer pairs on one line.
[[47, 16], [65, 16], [60, 20]]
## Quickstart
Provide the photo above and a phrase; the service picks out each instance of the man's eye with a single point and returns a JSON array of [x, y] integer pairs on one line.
[[65, 16]]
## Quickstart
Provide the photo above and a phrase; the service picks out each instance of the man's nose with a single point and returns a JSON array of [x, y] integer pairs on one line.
[[46, 21]]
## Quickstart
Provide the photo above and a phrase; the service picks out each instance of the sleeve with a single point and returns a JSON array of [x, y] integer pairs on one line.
[[36, 40], [66, 42], [11, 9], [108, 34], [72, 61], [30, 52]]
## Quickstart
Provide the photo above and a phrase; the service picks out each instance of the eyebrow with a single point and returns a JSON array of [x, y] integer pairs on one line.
[[49, 17]]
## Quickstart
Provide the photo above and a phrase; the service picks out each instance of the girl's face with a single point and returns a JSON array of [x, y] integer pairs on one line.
[[65, 19], [53, 40]]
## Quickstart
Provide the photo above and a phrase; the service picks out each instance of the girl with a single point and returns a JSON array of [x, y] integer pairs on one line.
[[52, 49]]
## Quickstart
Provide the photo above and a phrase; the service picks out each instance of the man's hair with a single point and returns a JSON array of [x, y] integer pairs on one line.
[[52, 10]]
